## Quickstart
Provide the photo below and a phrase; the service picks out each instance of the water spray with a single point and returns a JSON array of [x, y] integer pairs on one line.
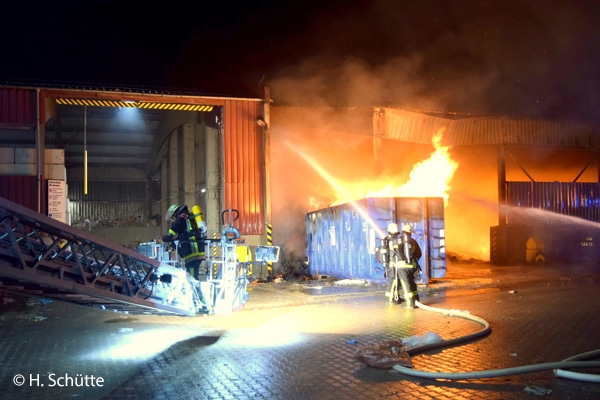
[[337, 186], [534, 213], [578, 361]]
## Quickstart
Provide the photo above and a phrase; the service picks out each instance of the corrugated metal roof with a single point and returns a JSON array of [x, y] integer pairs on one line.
[[484, 130]]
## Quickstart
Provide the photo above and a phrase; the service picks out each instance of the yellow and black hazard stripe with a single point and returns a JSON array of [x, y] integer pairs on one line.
[[174, 106], [134, 104], [269, 243], [96, 102]]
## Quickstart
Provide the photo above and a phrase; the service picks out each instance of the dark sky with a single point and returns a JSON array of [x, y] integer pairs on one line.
[[525, 57]]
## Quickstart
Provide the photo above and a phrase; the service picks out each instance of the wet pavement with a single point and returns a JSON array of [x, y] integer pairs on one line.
[[299, 340]]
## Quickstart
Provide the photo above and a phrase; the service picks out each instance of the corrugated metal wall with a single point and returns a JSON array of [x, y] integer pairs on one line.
[[18, 120], [20, 189], [97, 214], [576, 199], [18, 107], [111, 203], [243, 169], [114, 191]]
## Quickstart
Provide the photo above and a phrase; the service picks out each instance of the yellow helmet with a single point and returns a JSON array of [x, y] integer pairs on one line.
[[407, 229]]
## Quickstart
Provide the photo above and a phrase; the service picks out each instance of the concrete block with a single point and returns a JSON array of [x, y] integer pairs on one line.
[[25, 156], [17, 169], [54, 156], [7, 155], [58, 172]]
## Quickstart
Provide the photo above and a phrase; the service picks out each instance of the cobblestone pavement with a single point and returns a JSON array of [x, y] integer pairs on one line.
[[298, 341]]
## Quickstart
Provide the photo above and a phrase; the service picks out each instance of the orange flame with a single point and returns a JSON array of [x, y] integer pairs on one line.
[[428, 178], [431, 177]]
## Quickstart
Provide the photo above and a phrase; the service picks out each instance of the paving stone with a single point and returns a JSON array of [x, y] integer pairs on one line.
[[290, 342]]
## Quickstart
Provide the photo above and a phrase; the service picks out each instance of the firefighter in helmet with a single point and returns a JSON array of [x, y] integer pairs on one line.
[[402, 254], [189, 235]]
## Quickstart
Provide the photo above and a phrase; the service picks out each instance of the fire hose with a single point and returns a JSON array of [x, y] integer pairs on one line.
[[560, 367]]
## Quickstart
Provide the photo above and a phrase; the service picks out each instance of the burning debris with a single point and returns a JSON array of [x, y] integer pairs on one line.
[[293, 267]]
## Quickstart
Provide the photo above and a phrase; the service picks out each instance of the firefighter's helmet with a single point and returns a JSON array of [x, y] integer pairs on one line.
[[407, 229], [174, 210], [392, 228], [181, 210], [171, 211]]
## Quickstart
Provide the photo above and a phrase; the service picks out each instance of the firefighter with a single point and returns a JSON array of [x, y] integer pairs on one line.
[[401, 262], [190, 236]]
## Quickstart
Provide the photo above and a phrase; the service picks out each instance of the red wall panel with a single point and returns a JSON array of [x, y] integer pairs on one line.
[[244, 183], [18, 107], [20, 189]]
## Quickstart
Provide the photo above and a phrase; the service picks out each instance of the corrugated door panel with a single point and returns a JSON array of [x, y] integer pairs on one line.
[[18, 107], [577, 199], [341, 239], [243, 165]]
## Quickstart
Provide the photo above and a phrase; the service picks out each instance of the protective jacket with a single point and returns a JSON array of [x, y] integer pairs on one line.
[[400, 256], [191, 240]]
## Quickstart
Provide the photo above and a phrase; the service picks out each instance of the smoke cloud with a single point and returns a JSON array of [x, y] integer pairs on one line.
[[516, 58]]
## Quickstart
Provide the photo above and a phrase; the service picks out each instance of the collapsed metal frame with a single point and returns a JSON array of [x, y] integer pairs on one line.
[[44, 257]]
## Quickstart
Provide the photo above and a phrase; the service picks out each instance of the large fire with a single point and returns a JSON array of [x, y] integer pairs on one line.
[[331, 177], [428, 178]]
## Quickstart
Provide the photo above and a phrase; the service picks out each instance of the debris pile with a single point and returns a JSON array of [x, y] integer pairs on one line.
[[384, 355]]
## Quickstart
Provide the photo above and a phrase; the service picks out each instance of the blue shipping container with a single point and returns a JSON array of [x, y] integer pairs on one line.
[[342, 239]]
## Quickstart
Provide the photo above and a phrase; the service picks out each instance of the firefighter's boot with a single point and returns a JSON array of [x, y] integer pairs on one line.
[[411, 298]]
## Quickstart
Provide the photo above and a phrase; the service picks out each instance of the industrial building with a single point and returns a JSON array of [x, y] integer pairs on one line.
[[113, 160], [542, 217]]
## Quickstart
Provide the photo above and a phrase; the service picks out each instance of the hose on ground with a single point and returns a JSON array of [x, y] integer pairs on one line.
[[559, 368], [451, 342]]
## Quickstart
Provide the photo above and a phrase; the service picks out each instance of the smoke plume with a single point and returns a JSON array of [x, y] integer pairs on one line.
[[516, 58]]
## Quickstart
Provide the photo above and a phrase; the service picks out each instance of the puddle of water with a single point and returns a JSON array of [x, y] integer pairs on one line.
[[339, 290], [469, 292], [574, 282]]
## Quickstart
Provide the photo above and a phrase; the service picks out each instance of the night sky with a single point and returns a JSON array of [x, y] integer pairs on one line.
[[529, 57]]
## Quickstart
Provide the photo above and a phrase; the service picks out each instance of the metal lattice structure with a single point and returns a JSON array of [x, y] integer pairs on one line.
[[42, 256]]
